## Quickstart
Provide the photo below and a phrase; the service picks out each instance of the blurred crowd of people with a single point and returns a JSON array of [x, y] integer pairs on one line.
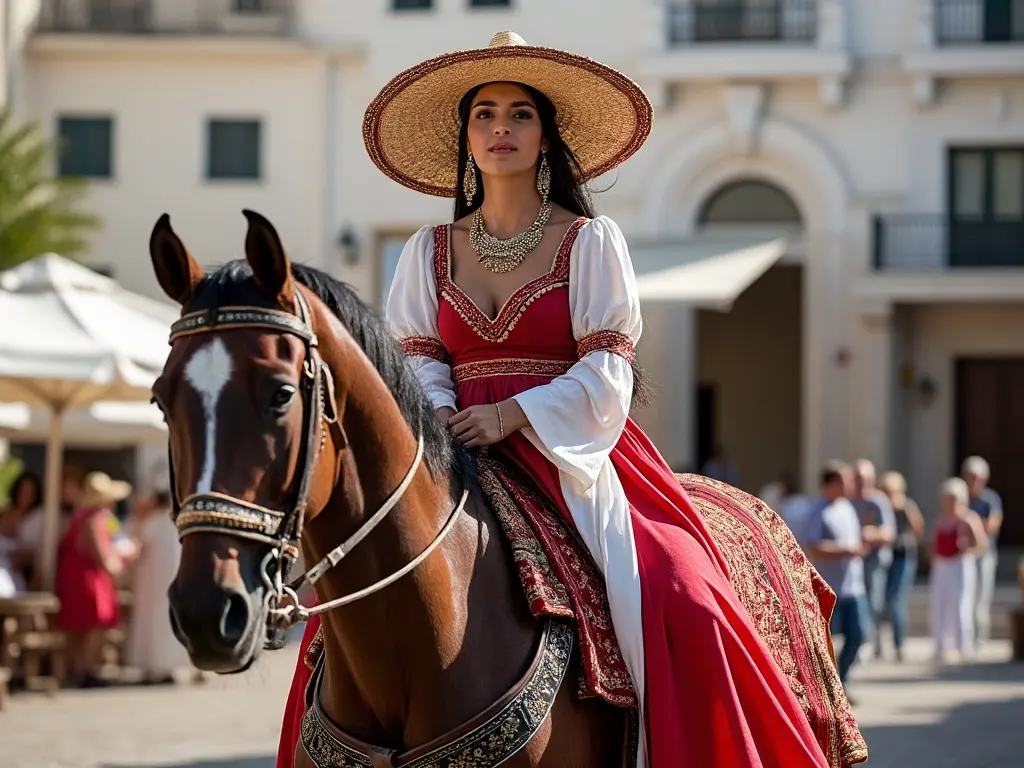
[[864, 536], [98, 558]]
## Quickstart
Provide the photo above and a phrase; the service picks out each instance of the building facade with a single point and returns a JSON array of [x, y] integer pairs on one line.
[[843, 180]]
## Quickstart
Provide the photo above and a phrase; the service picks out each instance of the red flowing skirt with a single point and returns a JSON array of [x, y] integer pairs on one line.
[[714, 696], [87, 593]]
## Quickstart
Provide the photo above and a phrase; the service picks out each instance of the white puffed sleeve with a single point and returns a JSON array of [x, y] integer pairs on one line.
[[577, 419], [412, 311]]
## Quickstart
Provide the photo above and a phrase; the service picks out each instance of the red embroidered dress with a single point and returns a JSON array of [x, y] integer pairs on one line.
[[562, 347]]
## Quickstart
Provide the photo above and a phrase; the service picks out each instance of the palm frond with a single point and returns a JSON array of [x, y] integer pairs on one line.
[[39, 212]]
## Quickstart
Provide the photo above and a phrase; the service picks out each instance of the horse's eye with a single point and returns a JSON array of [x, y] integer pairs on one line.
[[282, 398]]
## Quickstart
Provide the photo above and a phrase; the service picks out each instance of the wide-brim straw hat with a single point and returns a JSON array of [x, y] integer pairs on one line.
[[99, 490], [411, 129]]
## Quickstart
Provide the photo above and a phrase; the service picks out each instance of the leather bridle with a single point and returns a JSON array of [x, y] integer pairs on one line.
[[282, 529]]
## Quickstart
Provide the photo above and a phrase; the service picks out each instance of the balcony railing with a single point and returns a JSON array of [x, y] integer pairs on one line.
[[787, 21], [937, 242], [976, 22], [153, 17]]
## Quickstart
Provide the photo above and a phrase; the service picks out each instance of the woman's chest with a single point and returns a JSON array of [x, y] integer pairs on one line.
[[537, 323]]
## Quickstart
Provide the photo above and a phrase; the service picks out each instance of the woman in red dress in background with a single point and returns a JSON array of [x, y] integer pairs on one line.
[[87, 564], [520, 320]]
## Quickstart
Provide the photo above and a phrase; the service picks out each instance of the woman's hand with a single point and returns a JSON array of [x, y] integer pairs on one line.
[[444, 414], [482, 425]]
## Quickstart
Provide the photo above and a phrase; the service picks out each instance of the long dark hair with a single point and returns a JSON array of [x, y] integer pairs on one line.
[[27, 478], [566, 189]]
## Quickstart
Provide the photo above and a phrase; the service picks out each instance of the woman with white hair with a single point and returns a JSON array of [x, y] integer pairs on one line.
[[959, 536], [985, 502]]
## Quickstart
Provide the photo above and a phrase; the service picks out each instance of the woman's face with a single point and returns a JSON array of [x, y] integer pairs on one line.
[[951, 505], [894, 494], [27, 495], [504, 130]]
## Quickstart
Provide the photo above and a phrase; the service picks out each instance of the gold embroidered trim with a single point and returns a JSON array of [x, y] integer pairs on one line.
[[607, 341], [425, 346], [510, 366], [498, 330]]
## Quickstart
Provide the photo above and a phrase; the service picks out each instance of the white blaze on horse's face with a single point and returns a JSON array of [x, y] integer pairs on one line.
[[208, 371]]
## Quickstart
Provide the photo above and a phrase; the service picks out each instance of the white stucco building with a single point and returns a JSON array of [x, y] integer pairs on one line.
[[883, 140]]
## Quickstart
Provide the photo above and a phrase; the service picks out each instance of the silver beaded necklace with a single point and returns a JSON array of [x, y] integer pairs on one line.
[[503, 255]]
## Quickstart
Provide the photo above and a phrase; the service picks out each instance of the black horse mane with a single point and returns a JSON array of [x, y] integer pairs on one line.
[[233, 284]]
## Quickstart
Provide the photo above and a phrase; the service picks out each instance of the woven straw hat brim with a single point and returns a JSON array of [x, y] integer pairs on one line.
[[100, 490], [411, 129]]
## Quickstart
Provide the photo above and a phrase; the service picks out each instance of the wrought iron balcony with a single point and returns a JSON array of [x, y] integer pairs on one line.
[[978, 22], [785, 21], [165, 17], [929, 242]]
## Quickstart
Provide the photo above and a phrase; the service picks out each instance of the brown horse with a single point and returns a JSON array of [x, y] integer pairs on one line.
[[292, 415]]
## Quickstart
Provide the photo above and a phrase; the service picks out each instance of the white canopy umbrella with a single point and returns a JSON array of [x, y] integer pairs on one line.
[[69, 338], [100, 425]]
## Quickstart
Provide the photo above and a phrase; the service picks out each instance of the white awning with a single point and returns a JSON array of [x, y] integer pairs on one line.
[[706, 272]]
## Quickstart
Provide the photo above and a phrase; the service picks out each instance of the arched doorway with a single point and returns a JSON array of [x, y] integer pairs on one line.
[[750, 358]]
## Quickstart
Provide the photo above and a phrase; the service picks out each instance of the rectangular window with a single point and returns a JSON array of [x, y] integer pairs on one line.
[[969, 185], [986, 202], [86, 147], [490, 3], [250, 6], [411, 5], [389, 249], [973, 22], [233, 149], [987, 184], [1008, 185]]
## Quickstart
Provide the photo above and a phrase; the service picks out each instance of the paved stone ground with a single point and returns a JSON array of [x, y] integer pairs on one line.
[[917, 715], [226, 722], [913, 716]]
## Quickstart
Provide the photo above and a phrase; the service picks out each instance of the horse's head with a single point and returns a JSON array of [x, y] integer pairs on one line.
[[254, 437]]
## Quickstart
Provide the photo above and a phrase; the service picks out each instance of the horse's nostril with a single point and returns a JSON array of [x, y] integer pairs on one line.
[[235, 620]]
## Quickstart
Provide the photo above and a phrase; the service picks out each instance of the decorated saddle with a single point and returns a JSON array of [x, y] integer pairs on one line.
[[790, 604]]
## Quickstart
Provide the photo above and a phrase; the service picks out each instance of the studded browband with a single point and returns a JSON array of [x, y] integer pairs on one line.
[[218, 512]]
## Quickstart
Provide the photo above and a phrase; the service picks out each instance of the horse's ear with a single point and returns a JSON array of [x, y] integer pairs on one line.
[[270, 266], [176, 271]]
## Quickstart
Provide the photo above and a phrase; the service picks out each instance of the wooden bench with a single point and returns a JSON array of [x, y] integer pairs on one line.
[[36, 646], [27, 640], [5, 679]]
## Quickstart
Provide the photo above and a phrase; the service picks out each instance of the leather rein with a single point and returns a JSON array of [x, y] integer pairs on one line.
[[282, 529]]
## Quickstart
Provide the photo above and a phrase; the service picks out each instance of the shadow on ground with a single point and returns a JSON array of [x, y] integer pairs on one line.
[[985, 730], [231, 762], [979, 735], [1009, 673]]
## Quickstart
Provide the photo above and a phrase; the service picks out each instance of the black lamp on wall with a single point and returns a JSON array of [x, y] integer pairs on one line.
[[349, 245], [927, 388]]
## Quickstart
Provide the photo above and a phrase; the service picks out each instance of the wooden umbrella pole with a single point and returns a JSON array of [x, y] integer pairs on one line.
[[47, 559]]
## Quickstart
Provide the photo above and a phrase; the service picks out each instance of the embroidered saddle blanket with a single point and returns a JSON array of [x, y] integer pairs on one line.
[[788, 601]]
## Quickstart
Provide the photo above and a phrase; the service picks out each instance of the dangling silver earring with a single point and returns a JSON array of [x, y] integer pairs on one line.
[[469, 180], [544, 178]]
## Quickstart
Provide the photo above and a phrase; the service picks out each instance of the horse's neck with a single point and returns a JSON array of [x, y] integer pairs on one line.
[[427, 653], [378, 646]]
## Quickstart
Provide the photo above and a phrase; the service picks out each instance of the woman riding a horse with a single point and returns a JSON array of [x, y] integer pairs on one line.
[[519, 322]]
